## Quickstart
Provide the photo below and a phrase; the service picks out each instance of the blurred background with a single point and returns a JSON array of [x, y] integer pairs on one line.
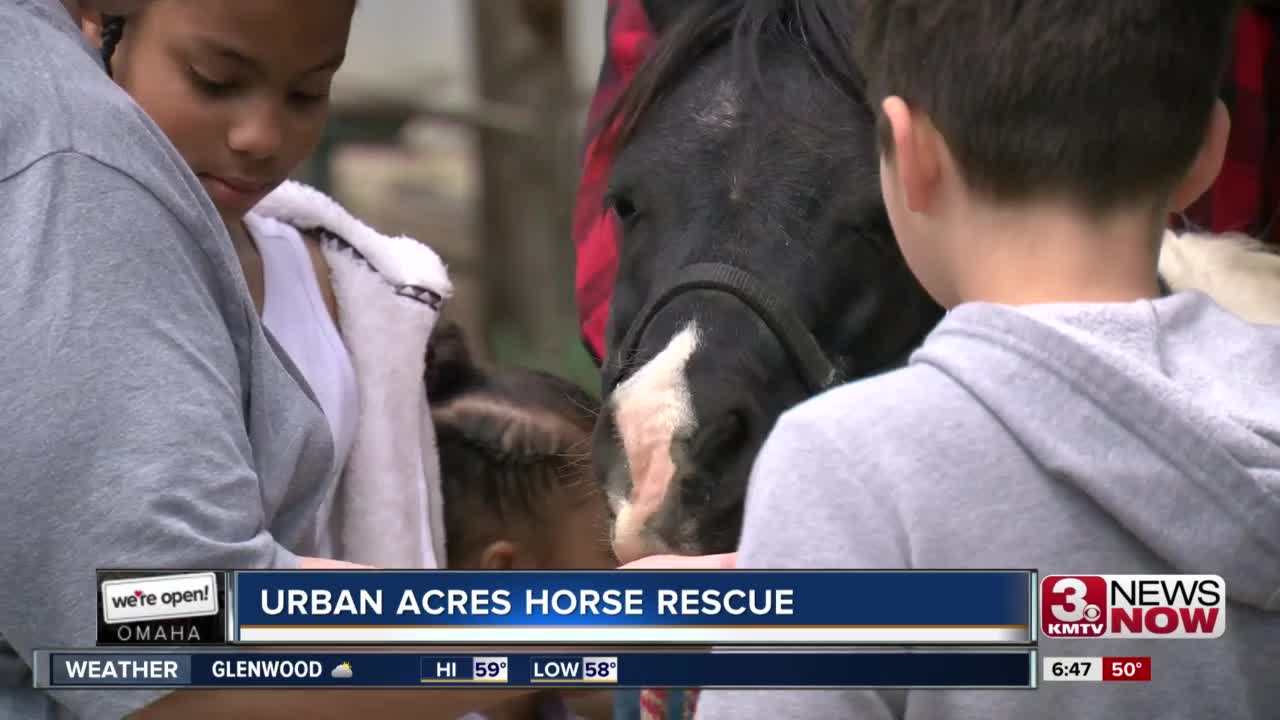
[[458, 122]]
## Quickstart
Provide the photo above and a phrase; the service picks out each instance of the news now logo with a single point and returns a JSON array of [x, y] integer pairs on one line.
[[1133, 606], [162, 597]]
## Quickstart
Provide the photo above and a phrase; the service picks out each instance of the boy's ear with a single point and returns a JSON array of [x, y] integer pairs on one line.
[[1208, 162], [915, 153]]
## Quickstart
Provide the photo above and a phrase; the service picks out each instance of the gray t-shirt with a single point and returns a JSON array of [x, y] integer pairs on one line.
[[147, 419]]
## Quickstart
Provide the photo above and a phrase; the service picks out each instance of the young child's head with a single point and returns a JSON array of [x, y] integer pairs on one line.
[[1013, 115], [240, 87], [515, 464]]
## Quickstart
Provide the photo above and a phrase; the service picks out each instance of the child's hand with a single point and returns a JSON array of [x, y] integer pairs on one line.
[[315, 563], [726, 561]]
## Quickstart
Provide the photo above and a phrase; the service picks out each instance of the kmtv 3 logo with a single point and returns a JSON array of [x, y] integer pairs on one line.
[[162, 597], [1133, 606]]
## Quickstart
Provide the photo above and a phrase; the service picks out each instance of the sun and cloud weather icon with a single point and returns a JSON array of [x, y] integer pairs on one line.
[[341, 672]]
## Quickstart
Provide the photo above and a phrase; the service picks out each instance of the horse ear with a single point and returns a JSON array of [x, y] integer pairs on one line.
[[662, 14]]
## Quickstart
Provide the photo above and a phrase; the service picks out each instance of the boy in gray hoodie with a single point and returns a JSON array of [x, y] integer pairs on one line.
[[1065, 415]]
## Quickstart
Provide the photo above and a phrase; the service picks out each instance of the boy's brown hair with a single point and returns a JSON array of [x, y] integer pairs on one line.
[[1102, 102]]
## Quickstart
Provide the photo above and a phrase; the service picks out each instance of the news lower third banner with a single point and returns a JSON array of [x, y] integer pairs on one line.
[[932, 668], [633, 607], [202, 607]]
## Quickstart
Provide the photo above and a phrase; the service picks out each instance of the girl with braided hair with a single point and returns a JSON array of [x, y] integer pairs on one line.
[[241, 89], [514, 456], [518, 491]]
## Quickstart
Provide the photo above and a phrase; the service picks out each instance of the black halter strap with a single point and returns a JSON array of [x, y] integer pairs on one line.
[[811, 363]]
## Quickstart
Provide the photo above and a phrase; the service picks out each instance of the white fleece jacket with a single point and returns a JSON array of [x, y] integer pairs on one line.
[[1238, 272], [387, 508]]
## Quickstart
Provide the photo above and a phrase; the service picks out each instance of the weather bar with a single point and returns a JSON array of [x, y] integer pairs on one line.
[[457, 669], [825, 668], [1096, 669]]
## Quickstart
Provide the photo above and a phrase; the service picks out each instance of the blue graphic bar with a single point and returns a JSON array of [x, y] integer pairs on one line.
[[950, 668], [836, 607]]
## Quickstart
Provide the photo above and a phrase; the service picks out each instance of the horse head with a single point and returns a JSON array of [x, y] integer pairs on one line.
[[757, 265]]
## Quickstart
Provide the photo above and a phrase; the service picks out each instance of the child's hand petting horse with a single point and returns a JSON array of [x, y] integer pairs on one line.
[[725, 561]]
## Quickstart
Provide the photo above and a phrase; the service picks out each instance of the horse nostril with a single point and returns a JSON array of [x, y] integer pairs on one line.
[[716, 462]]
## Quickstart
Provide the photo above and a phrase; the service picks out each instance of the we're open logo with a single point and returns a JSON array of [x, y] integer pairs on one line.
[[163, 597], [1133, 606]]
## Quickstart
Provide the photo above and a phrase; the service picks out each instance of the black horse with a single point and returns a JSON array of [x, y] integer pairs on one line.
[[757, 265]]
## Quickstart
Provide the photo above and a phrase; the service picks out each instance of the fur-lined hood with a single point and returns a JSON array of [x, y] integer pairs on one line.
[[386, 509], [402, 261]]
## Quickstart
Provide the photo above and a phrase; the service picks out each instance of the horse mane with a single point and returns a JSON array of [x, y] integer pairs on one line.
[[824, 28]]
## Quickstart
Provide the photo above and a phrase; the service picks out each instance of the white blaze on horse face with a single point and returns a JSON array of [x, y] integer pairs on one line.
[[650, 410]]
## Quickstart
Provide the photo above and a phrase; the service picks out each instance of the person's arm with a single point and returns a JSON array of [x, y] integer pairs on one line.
[[324, 704], [723, 561], [124, 437], [124, 440], [315, 563]]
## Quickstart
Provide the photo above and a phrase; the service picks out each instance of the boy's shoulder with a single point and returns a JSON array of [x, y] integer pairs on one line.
[[895, 397], [885, 419], [1004, 391]]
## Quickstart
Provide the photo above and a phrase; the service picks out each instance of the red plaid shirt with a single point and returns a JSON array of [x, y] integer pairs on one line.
[[1245, 198], [595, 231]]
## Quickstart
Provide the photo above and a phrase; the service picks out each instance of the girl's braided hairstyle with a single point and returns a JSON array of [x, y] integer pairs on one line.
[[112, 31], [507, 437]]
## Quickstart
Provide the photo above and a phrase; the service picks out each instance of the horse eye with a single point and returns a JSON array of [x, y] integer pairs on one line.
[[623, 207]]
